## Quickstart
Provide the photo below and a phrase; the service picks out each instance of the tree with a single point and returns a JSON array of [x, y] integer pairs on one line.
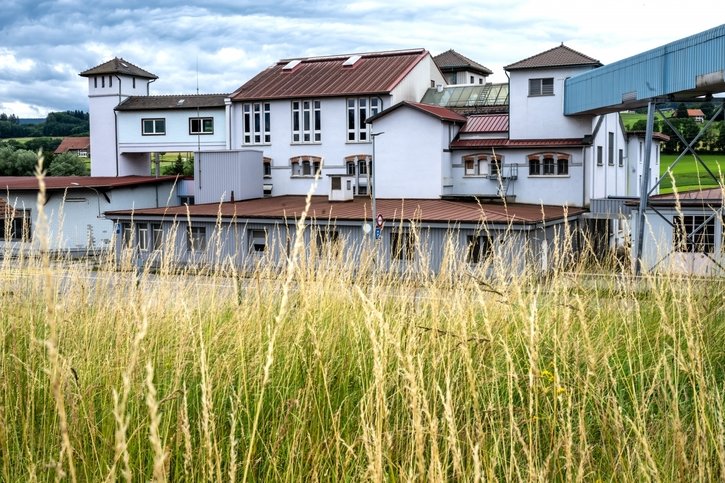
[[720, 143], [681, 112], [68, 164], [17, 162]]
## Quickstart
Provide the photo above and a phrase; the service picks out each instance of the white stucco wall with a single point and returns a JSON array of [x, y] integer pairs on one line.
[[410, 155], [537, 117], [177, 137], [607, 179], [423, 76], [101, 102]]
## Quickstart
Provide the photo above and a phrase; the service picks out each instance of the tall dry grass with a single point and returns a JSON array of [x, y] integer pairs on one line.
[[322, 372]]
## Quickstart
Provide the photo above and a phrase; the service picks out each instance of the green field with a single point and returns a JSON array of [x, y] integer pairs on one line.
[[689, 174]]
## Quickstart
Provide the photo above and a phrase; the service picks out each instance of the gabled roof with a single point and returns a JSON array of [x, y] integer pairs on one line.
[[436, 111], [516, 143], [560, 56], [176, 101], [73, 144], [486, 123], [11, 183], [372, 73], [290, 207], [118, 66], [452, 61], [695, 113]]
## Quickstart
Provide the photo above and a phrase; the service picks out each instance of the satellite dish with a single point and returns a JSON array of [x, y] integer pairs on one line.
[[367, 228]]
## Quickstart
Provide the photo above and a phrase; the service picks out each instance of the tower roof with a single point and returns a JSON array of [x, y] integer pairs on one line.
[[452, 61], [557, 57], [118, 66]]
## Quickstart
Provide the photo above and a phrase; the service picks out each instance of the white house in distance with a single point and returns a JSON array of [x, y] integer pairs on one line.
[[459, 69]]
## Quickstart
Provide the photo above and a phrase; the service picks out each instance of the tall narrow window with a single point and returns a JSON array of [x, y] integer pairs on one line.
[[306, 122], [157, 236], [600, 156], [610, 149], [358, 110], [621, 158], [256, 120]]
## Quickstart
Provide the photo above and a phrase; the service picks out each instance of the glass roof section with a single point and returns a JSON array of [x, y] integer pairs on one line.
[[469, 96]]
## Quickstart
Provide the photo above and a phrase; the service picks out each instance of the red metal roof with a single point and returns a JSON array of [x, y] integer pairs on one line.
[[373, 73], [73, 144], [515, 143], [11, 183], [435, 210], [486, 123], [437, 111]]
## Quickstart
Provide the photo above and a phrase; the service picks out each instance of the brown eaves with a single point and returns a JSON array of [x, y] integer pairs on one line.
[[557, 57]]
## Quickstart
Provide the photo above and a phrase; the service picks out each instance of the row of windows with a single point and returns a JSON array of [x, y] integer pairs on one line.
[[543, 164], [110, 81], [307, 120], [157, 126], [610, 153]]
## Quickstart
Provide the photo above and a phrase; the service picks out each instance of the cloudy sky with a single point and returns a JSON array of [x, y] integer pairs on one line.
[[45, 44]]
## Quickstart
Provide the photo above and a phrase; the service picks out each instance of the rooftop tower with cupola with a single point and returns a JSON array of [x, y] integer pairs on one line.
[[109, 84]]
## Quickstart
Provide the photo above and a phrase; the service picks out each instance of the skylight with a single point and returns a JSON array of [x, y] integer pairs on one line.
[[351, 61], [291, 64]]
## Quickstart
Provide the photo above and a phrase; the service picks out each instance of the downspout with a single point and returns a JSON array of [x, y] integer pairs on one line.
[[115, 123]]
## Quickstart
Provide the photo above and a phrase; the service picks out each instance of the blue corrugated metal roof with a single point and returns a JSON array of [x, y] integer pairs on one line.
[[684, 69]]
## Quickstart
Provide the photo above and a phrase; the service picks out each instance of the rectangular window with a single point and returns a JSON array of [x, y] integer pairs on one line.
[[128, 235], [19, 227], [257, 241], [621, 158], [157, 236], [196, 238], [335, 183], [534, 167], [541, 87], [153, 127], [692, 234], [548, 166], [133, 82], [402, 245], [562, 166], [306, 122], [95, 82], [143, 237], [256, 122], [478, 248], [600, 156], [327, 241], [610, 149], [475, 166], [103, 81], [358, 110], [201, 125], [110, 81], [267, 168]]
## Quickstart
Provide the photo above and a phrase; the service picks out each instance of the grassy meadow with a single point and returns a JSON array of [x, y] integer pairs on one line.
[[326, 372]]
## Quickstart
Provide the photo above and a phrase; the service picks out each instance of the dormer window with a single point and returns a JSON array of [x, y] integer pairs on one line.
[[541, 87]]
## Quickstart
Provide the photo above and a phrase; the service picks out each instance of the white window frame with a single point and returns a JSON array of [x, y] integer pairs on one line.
[[204, 125], [157, 126], [196, 238], [306, 122], [476, 165], [543, 86], [256, 123], [257, 239], [305, 166], [549, 165], [358, 110]]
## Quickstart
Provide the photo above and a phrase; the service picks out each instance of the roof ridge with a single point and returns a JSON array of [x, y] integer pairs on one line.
[[540, 54], [381, 53]]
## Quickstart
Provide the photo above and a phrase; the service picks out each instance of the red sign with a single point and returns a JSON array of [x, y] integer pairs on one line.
[[380, 219]]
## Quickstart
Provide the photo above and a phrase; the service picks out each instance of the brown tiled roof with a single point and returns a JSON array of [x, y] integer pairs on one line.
[[486, 123], [434, 211], [556, 57], [436, 111], [709, 196], [451, 61], [516, 143], [118, 66], [11, 183], [695, 113], [373, 73], [657, 136], [177, 101], [73, 143]]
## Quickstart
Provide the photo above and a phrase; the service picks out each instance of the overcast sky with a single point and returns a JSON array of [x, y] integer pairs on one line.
[[45, 44]]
